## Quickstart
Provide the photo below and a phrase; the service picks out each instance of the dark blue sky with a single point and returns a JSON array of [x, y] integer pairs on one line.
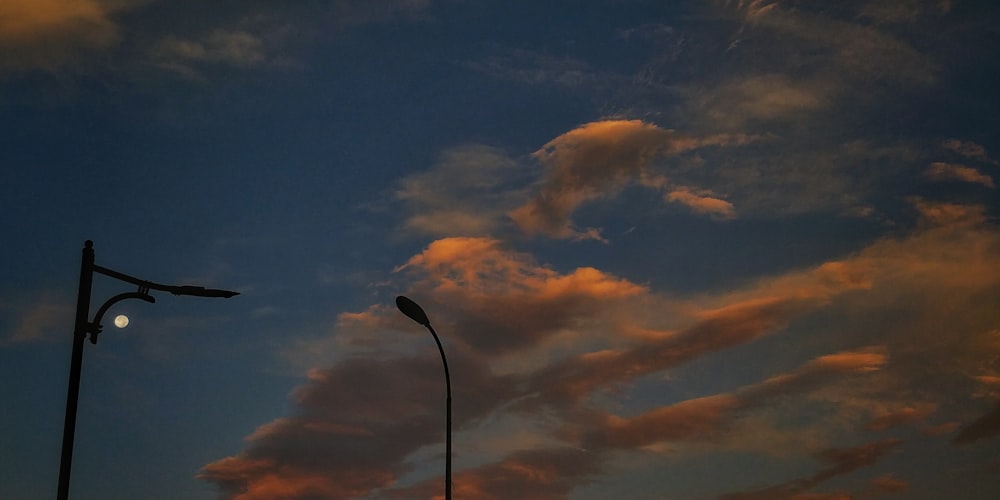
[[697, 249]]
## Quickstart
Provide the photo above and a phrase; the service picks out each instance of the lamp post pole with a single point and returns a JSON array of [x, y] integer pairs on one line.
[[83, 326], [416, 313], [75, 366]]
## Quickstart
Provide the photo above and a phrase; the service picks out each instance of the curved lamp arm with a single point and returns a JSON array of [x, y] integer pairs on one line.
[[95, 326]]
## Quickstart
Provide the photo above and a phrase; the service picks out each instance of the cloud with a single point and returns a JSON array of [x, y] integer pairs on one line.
[[901, 416], [889, 484], [752, 99], [504, 300], [51, 34], [940, 171], [356, 425], [596, 160], [235, 48], [248, 45], [702, 203], [945, 215], [858, 53], [529, 474], [561, 353], [986, 426], [466, 193], [842, 461], [701, 418], [43, 319], [967, 149]]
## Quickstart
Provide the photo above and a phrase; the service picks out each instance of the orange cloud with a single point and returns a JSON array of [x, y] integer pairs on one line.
[[503, 300], [889, 484], [364, 417], [899, 417], [702, 417], [702, 204], [51, 33], [356, 424], [596, 160], [261, 479], [529, 474], [940, 171], [691, 419]]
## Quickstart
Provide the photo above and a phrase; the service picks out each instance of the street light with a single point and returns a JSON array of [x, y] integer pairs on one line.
[[414, 312], [84, 326]]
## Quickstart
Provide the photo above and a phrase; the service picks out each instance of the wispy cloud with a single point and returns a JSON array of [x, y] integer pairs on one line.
[[40, 320], [466, 193], [940, 171], [967, 149], [245, 46], [597, 160], [842, 461]]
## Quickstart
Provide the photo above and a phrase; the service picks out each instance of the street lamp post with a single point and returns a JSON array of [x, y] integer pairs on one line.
[[84, 326], [414, 312]]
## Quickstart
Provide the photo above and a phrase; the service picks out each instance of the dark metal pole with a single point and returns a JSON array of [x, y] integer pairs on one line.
[[447, 439], [76, 364], [413, 311]]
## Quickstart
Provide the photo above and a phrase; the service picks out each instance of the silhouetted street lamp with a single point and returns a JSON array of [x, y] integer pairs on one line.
[[414, 312], [84, 326]]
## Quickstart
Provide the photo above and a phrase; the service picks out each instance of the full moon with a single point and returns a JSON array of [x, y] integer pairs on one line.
[[121, 321]]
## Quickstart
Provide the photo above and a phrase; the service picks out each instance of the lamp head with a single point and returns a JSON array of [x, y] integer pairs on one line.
[[200, 291], [412, 310]]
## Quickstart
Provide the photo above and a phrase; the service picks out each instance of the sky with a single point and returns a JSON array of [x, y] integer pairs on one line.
[[732, 249]]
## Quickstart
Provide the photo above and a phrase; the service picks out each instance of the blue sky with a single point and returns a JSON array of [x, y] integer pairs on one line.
[[695, 249]]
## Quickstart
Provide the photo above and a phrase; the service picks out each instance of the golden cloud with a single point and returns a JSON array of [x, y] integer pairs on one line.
[[49, 34]]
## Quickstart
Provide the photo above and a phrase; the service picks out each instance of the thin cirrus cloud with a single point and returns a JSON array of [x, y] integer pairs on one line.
[[237, 47], [859, 53]]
